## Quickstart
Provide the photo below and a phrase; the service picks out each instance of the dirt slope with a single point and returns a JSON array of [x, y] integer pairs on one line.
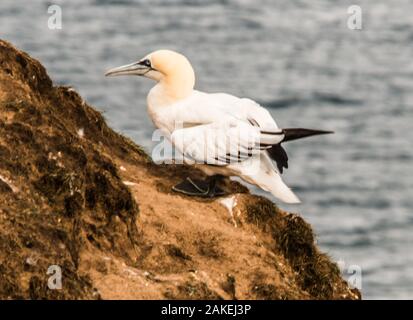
[[74, 193]]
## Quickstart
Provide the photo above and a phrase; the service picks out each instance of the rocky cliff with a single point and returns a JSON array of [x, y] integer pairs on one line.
[[77, 195]]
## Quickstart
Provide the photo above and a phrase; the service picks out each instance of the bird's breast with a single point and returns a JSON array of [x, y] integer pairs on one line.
[[166, 112], [161, 120]]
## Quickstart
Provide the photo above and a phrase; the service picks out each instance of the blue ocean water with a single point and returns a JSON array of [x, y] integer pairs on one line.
[[297, 58]]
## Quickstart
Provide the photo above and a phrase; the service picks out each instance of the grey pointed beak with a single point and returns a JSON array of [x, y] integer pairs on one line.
[[130, 69]]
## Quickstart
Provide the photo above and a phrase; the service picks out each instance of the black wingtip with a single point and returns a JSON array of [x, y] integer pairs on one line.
[[291, 134]]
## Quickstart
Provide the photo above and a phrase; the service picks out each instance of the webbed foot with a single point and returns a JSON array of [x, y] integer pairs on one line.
[[199, 188]]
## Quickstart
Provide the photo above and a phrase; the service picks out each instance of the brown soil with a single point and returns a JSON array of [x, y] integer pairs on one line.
[[64, 201]]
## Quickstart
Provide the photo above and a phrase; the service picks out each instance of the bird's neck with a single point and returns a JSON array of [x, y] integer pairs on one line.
[[176, 90], [177, 85], [163, 95]]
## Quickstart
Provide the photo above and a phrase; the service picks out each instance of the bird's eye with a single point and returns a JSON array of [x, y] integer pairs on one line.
[[146, 63]]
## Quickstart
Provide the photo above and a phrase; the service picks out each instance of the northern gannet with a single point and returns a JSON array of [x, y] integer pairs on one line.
[[221, 134]]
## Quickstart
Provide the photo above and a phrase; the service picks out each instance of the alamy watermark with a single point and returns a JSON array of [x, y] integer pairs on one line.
[[355, 20], [54, 282], [352, 273], [55, 20]]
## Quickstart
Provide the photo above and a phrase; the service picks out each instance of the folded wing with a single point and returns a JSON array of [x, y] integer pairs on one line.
[[222, 143]]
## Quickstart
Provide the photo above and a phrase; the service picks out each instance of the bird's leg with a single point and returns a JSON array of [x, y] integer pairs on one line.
[[213, 189]]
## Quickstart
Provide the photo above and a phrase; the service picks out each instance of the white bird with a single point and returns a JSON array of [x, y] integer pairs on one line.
[[217, 132]]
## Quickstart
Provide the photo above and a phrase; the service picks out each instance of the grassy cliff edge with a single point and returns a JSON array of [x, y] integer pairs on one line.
[[76, 194]]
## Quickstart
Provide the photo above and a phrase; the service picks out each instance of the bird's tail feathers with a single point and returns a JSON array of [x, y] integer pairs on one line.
[[291, 134], [269, 180], [280, 190]]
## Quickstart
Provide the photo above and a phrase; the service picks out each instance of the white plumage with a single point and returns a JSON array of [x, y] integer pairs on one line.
[[219, 133], [209, 122]]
